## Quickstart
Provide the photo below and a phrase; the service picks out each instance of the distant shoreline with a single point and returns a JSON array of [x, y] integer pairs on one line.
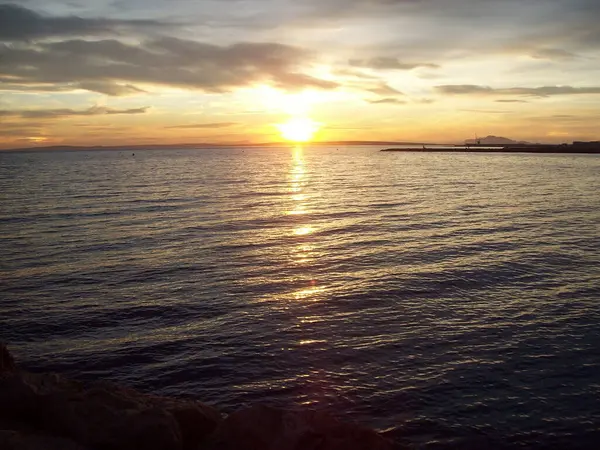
[[202, 146]]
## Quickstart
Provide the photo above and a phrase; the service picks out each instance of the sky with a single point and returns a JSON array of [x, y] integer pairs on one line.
[[117, 72]]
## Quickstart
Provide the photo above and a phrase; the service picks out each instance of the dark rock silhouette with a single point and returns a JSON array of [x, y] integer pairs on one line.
[[47, 411], [262, 427], [13, 440], [7, 362]]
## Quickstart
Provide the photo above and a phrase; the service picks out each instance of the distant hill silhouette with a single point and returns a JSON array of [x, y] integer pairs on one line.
[[494, 140]]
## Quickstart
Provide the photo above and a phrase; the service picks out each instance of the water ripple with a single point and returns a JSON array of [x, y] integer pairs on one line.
[[450, 299]]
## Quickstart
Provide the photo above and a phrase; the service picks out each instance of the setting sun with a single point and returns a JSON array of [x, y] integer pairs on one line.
[[298, 129]]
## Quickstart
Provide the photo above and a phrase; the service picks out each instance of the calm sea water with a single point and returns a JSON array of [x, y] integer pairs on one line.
[[453, 299]]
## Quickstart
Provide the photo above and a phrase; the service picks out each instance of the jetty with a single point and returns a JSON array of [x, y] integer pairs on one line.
[[576, 147]]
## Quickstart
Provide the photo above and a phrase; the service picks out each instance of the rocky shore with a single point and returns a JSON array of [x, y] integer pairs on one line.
[[48, 411]]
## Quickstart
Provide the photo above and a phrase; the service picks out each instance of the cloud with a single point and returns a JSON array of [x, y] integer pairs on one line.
[[565, 118], [510, 100], [351, 73], [17, 132], [7, 83], [387, 101], [205, 125], [384, 90], [487, 111], [574, 24], [109, 88], [544, 91], [114, 68], [18, 23], [446, 9], [553, 54], [461, 89], [441, 31], [385, 63], [102, 87], [67, 112]]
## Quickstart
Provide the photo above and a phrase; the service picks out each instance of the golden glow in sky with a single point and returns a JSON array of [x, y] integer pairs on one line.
[[298, 129]]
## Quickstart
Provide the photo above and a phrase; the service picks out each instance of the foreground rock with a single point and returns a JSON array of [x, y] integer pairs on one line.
[[47, 411], [266, 428], [12, 440]]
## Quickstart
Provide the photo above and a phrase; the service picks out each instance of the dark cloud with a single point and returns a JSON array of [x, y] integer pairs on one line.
[[113, 67], [67, 112], [545, 91], [510, 100], [18, 23], [205, 125], [385, 63]]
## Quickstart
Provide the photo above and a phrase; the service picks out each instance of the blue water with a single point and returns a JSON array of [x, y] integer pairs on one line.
[[451, 299]]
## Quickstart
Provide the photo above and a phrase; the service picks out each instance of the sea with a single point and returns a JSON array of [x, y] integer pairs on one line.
[[450, 300]]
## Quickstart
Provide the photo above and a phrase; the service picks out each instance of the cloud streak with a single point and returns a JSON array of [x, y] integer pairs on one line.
[[544, 91], [67, 112], [383, 89], [385, 63], [387, 101], [204, 125]]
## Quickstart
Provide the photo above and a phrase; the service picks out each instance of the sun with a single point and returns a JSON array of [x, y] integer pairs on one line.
[[298, 129]]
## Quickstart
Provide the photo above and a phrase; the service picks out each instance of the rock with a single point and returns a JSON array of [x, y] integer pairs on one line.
[[47, 411], [149, 429], [7, 363], [12, 440], [18, 399], [22, 394], [101, 419], [266, 428], [101, 415], [196, 421]]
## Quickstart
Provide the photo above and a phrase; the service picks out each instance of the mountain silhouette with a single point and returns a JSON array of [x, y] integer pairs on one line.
[[494, 140]]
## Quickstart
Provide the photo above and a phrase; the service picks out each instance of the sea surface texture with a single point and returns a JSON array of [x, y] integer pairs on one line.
[[451, 299]]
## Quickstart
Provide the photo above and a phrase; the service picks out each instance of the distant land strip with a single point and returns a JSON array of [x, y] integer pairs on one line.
[[575, 148], [205, 145]]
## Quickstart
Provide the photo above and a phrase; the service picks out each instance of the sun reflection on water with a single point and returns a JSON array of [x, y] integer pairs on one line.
[[302, 251], [308, 293], [298, 182], [302, 231]]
